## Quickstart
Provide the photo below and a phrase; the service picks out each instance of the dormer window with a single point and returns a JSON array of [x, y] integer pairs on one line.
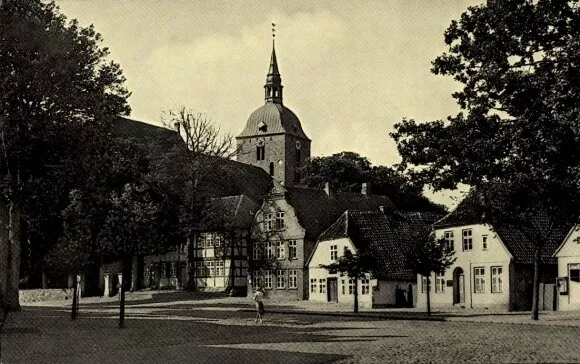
[[263, 127]]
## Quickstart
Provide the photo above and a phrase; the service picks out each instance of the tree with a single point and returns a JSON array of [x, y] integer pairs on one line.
[[517, 136], [206, 148], [57, 92], [346, 171], [354, 266], [430, 255]]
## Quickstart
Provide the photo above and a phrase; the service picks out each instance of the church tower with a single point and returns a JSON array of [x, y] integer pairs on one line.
[[273, 138]]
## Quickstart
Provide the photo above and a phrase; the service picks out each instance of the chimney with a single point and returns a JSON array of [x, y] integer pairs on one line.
[[365, 188], [327, 189]]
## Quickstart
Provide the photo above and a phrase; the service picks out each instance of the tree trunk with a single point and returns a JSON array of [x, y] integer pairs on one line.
[[356, 295], [134, 274], [536, 288], [10, 245], [191, 286], [428, 295]]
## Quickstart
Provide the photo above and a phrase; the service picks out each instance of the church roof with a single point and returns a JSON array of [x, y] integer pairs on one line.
[[277, 119]]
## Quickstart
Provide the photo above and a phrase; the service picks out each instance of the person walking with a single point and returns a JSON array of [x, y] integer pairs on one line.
[[258, 298]]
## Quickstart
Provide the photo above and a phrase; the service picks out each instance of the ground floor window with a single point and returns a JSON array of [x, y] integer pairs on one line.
[[292, 278], [365, 286], [343, 286], [439, 283], [256, 280], [496, 280], [479, 280], [281, 279], [351, 286], [313, 285], [322, 283], [574, 272], [219, 268], [268, 279], [424, 284]]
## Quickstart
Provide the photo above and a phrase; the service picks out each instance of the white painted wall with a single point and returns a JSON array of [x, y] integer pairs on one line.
[[567, 255], [495, 255], [322, 256]]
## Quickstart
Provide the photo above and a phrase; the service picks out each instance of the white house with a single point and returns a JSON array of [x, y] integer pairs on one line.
[[493, 267], [568, 255], [384, 235]]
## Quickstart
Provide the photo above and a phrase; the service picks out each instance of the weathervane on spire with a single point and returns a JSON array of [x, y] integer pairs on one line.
[[273, 30]]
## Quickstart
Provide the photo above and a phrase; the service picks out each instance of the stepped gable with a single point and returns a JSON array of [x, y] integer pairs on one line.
[[316, 210]]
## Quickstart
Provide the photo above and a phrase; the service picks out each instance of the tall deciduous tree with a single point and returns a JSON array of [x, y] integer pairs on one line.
[[346, 171], [206, 146], [57, 91], [517, 139]]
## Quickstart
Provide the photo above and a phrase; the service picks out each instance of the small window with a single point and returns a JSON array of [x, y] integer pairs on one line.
[[484, 242], [292, 249], [449, 240], [268, 279], [292, 278], [351, 285], [322, 283], [281, 279], [439, 283], [343, 286], [424, 284], [467, 240], [333, 252], [268, 222], [280, 220], [269, 250], [365, 286], [313, 285], [479, 280], [575, 272], [260, 152], [496, 280], [280, 250]]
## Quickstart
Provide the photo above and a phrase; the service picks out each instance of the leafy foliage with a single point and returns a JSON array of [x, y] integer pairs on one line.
[[353, 265], [346, 171], [517, 140]]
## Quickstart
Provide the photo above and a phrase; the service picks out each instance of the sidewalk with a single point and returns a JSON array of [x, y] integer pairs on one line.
[[175, 300]]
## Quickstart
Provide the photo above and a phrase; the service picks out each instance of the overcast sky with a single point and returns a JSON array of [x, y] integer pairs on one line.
[[350, 69]]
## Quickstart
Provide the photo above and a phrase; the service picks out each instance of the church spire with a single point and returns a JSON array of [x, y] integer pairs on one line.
[[273, 86]]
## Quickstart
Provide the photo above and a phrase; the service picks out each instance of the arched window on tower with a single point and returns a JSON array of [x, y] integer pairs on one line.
[[260, 152], [271, 168]]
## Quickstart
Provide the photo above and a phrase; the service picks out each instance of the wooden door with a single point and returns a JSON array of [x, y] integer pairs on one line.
[[332, 289]]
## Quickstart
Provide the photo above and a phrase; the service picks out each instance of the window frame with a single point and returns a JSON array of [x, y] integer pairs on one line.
[[334, 252], [496, 279], [467, 239], [479, 280], [484, 242], [268, 221], [270, 250], [322, 285], [293, 279], [439, 282], [268, 280], [365, 286], [313, 285], [449, 240], [292, 248], [280, 250], [576, 268], [281, 279], [280, 220]]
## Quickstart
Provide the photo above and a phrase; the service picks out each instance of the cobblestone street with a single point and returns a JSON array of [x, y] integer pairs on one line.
[[213, 333]]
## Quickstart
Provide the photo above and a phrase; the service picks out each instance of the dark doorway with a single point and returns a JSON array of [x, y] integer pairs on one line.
[[332, 292], [458, 286]]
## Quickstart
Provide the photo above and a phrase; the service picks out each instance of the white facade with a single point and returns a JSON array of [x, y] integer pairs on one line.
[[331, 287], [480, 274], [568, 296]]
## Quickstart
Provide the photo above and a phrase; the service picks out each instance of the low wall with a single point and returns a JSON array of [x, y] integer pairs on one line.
[[40, 295]]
